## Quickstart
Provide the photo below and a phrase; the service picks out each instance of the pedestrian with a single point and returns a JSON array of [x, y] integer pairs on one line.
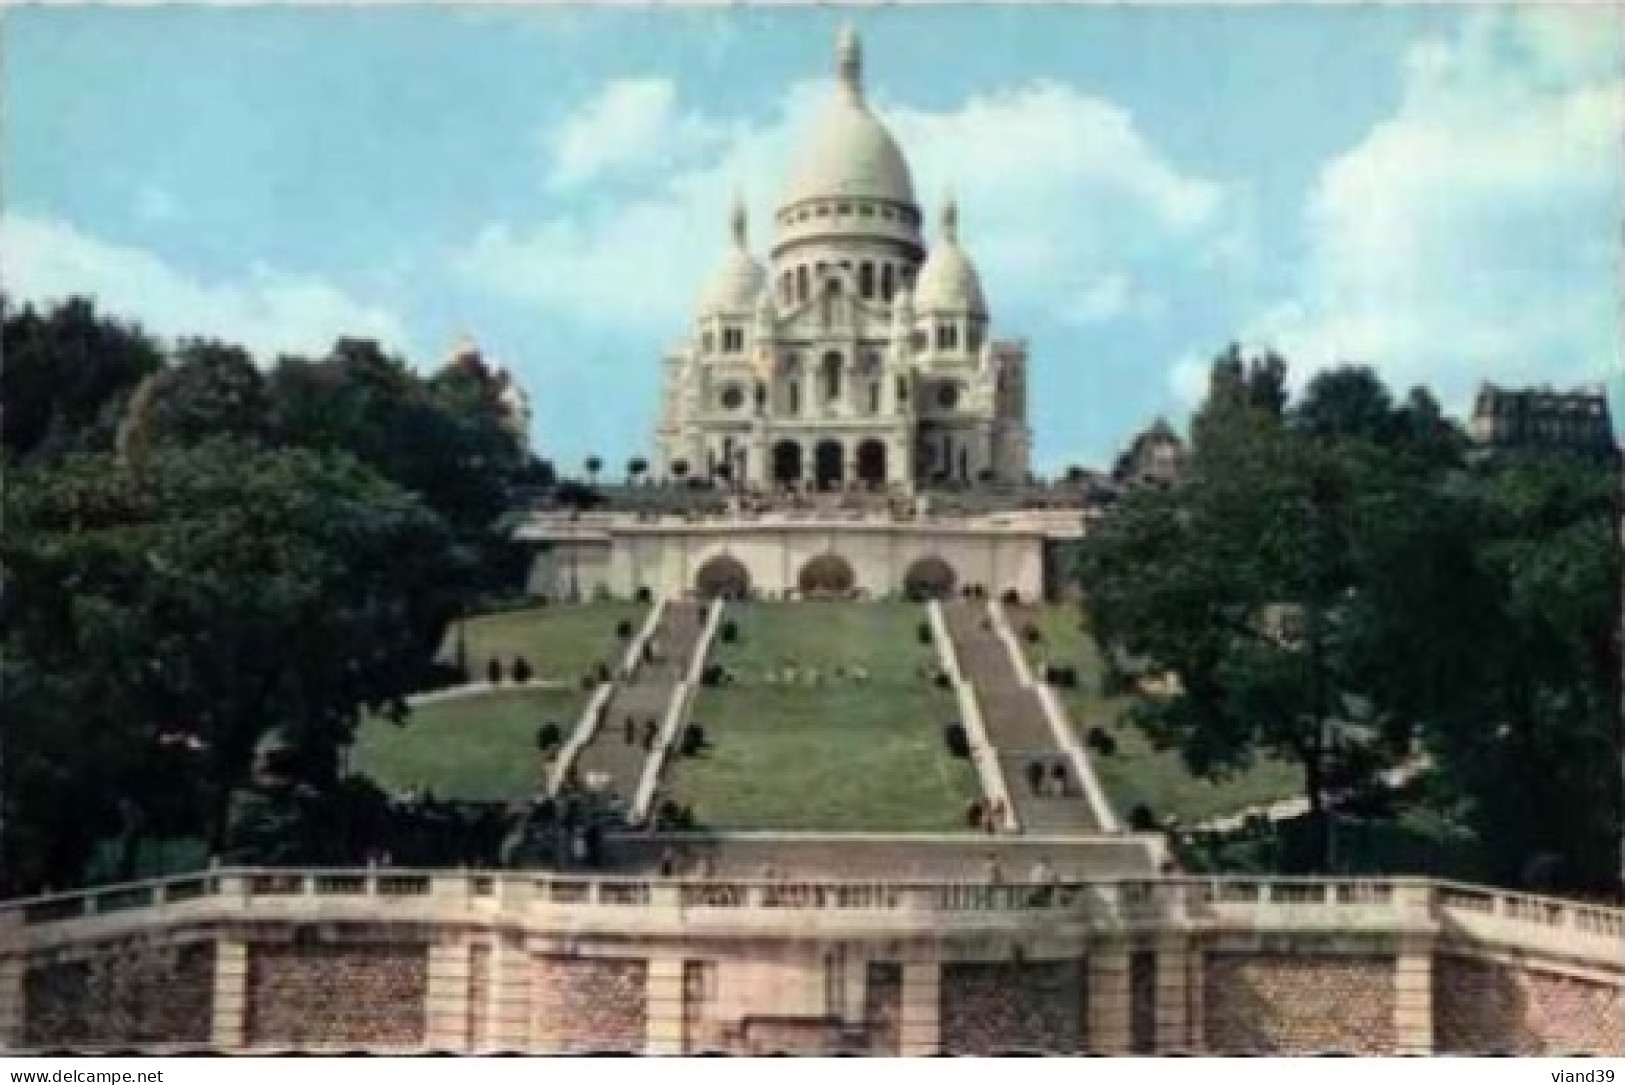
[[629, 731]]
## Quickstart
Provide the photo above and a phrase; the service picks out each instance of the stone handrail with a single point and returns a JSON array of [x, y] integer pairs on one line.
[[1412, 905], [633, 656], [1060, 725], [984, 755], [682, 697], [586, 727]]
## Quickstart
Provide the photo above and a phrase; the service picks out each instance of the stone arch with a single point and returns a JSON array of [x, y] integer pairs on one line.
[[827, 574], [722, 577], [871, 462], [829, 464], [787, 461], [929, 577]]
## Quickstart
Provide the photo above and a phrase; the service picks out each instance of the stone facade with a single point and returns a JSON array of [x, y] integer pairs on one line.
[[137, 992], [336, 995], [1485, 1007], [1298, 1004], [994, 1007], [883, 1007], [590, 1003]]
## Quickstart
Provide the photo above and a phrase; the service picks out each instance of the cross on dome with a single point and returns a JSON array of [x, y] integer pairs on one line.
[[950, 220], [849, 61], [737, 223]]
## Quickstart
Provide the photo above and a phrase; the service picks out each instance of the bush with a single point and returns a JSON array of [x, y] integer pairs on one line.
[[957, 741], [623, 629], [943, 681], [693, 740], [1030, 634], [1142, 819], [1102, 742], [729, 632], [587, 682], [643, 595], [520, 670], [493, 672], [712, 675], [923, 632], [1114, 683], [975, 816], [548, 736]]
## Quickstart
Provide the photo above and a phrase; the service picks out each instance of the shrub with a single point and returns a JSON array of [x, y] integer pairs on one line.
[[942, 680], [923, 632], [587, 682], [693, 740], [729, 631], [1067, 677], [712, 675], [493, 672], [521, 670], [548, 736], [623, 629], [1030, 633], [953, 734], [975, 815], [644, 595], [1142, 819], [1102, 742]]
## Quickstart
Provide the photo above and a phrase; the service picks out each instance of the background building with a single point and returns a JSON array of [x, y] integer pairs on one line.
[[857, 355]]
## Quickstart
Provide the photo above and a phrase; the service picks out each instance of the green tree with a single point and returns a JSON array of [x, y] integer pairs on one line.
[[67, 372], [219, 591]]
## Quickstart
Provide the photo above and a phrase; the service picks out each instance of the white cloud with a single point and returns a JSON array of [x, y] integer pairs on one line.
[[1473, 235], [1111, 297], [631, 123], [1058, 192], [266, 310]]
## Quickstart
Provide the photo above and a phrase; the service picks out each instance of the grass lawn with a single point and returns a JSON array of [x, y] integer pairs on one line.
[[837, 756], [842, 757], [880, 637], [561, 642], [480, 747], [1137, 773]]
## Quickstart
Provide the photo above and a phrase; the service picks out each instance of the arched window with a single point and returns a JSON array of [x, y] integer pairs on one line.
[[866, 280], [832, 376], [885, 282], [801, 283]]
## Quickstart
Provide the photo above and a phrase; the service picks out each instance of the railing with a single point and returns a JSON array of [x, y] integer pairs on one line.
[[984, 755], [788, 907]]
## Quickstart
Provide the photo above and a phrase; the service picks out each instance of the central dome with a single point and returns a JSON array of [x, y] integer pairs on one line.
[[850, 153]]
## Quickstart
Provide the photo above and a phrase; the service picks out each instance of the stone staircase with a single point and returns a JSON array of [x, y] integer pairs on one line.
[[643, 697], [1016, 726]]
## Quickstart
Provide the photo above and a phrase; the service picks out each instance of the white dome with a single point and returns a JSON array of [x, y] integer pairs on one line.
[[735, 286], [948, 281], [850, 153]]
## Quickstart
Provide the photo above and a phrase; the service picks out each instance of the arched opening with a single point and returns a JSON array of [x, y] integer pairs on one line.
[[827, 574], [722, 577], [872, 462], [831, 371], [829, 470], [801, 283], [866, 280], [929, 578], [787, 462], [885, 282]]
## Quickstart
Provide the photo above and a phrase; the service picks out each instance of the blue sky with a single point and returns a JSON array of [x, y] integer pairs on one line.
[[1434, 191]]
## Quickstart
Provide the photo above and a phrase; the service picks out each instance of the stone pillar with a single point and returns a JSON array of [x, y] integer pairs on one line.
[[664, 1014], [509, 1022], [229, 1029], [1413, 996], [446, 1013], [1173, 973], [12, 1007], [1107, 1032], [920, 1030]]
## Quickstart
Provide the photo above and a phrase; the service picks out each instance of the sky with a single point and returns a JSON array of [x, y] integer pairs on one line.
[[1436, 192]]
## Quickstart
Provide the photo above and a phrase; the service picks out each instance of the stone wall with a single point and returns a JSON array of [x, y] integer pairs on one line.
[[336, 995], [989, 1008], [136, 992], [1280, 1003], [1484, 1007], [590, 1003]]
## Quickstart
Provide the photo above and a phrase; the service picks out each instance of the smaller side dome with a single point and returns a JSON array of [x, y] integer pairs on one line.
[[948, 281], [740, 280]]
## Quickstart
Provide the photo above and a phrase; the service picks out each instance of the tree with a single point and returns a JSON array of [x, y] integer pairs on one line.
[[679, 469], [1248, 581], [218, 591], [67, 373], [636, 468], [594, 465]]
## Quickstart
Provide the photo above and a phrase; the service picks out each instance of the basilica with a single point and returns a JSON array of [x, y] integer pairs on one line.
[[860, 354]]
